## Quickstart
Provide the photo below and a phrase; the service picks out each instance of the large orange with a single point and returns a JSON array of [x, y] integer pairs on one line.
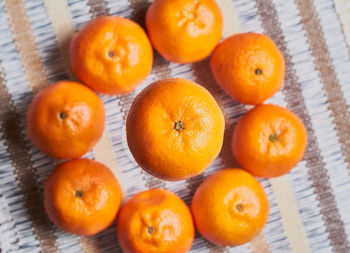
[[155, 221], [65, 120], [230, 207], [82, 196], [184, 31], [249, 67], [111, 54], [175, 129], [269, 141]]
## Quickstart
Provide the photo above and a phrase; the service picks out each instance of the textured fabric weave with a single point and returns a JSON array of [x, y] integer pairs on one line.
[[310, 207]]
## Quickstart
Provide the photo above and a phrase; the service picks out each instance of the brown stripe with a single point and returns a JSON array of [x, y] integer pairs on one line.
[[98, 8], [33, 67], [11, 126], [314, 160], [18, 151], [216, 248], [90, 244], [25, 44], [287, 204], [323, 63], [139, 9]]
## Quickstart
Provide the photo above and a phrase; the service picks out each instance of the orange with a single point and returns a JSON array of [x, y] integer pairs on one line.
[[65, 120], [155, 220], [82, 197], [174, 129], [230, 207], [249, 67], [184, 31], [269, 141], [111, 54]]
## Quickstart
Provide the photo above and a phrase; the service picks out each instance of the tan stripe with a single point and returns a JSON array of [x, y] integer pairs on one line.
[[61, 20], [259, 244], [25, 44], [231, 21], [202, 75], [104, 153], [18, 151], [314, 161], [343, 9], [292, 223], [63, 26], [160, 71]]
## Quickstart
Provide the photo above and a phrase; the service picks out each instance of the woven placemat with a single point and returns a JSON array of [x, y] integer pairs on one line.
[[310, 207]]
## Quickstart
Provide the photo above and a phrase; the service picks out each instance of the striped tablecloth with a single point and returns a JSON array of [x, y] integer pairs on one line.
[[310, 207]]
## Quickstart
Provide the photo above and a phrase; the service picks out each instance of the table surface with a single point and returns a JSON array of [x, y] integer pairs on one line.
[[309, 207]]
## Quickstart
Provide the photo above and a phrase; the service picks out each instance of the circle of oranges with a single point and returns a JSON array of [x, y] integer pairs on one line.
[[112, 55]]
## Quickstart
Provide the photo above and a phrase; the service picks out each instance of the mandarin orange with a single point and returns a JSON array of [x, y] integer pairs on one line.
[[249, 67], [269, 141], [155, 220], [175, 129], [111, 54], [184, 31], [230, 207], [65, 120], [82, 197]]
